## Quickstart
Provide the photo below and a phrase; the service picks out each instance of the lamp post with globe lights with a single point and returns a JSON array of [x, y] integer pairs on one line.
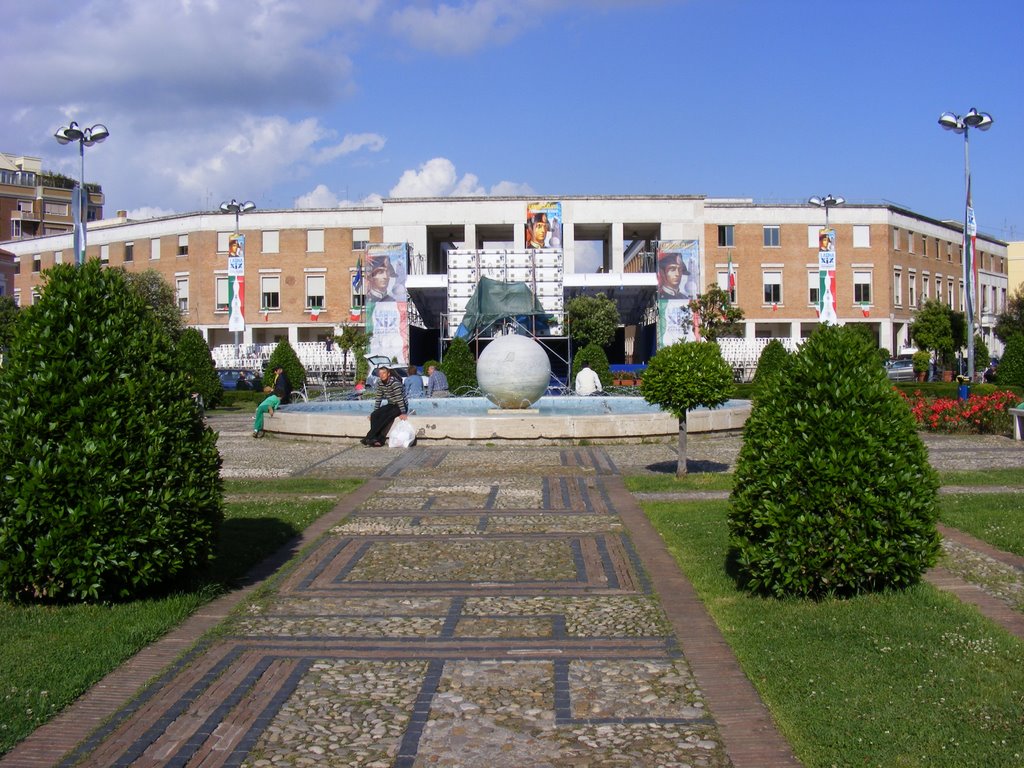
[[85, 137], [236, 268], [827, 262], [826, 202], [952, 122]]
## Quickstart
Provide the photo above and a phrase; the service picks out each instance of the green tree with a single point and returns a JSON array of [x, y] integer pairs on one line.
[[718, 316], [196, 362], [1011, 320], [981, 353], [932, 330], [111, 482], [833, 494], [594, 356], [360, 351], [159, 297], [352, 337], [459, 367], [284, 356], [8, 317], [1011, 364], [685, 376], [592, 320]]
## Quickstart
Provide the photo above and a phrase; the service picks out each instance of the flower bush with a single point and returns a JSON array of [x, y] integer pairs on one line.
[[978, 414]]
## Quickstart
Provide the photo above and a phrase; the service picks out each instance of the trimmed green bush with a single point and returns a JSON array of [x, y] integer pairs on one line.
[[197, 364], [459, 366], [833, 494], [1011, 365], [284, 356], [772, 362], [594, 356], [111, 483]]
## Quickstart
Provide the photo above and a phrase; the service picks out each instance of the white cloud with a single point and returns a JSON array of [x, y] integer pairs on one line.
[[147, 212], [438, 178], [322, 197], [511, 189], [352, 143]]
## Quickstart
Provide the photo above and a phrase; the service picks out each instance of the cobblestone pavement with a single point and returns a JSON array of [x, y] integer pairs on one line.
[[488, 605], [470, 605]]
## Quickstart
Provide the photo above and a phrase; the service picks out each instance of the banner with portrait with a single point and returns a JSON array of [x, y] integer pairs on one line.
[[678, 264], [236, 283], [387, 318], [827, 276], [543, 225]]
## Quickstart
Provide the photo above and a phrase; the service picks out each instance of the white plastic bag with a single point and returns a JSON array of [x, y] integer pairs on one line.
[[402, 434]]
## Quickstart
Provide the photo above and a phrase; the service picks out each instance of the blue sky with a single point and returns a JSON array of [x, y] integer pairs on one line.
[[320, 103]]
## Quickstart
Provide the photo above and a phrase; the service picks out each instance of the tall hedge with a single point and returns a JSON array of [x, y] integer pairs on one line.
[[772, 362], [284, 355], [197, 364], [110, 481], [1011, 364], [833, 493], [459, 366]]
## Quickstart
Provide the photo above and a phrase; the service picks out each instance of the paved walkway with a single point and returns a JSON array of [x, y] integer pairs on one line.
[[492, 605]]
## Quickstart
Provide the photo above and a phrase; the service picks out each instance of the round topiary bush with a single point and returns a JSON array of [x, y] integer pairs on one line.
[[833, 492], [772, 362], [459, 367], [284, 356], [1011, 366], [111, 483], [594, 356], [197, 364]]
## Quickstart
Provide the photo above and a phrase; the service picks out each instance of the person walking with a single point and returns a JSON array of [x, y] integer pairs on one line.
[[278, 393], [389, 387]]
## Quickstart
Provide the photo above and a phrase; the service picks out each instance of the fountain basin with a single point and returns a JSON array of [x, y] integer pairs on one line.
[[550, 419]]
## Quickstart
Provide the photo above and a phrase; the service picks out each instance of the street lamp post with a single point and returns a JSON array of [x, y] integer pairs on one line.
[[85, 137], [236, 276], [826, 202], [951, 122]]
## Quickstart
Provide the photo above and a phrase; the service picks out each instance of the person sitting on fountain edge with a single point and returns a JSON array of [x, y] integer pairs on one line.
[[280, 392], [588, 382], [389, 387], [437, 382]]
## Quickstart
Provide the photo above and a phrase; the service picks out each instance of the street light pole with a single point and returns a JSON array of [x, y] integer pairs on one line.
[[85, 137], [827, 263], [235, 275], [951, 122], [826, 202]]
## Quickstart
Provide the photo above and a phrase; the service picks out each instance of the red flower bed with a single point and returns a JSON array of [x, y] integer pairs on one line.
[[978, 414]]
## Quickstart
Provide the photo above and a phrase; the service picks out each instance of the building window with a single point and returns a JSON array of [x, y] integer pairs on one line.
[[912, 289], [56, 209], [15, 228], [315, 291], [897, 288], [37, 263], [949, 292], [726, 234], [861, 287], [17, 265], [181, 290], [723, 283], [813, 288], [924, 245], [58, 257], [772, 287], [360, 239], [17, 297], [910, 242], [272, 241], [25, 206], [314, 241], [938, 288], [771, 236], [861, 236], [223, 305], [924, 287], [270, 292], [812, 236], [222, 241], [129, 252], [154, 249], [183, 245], [104, 254]]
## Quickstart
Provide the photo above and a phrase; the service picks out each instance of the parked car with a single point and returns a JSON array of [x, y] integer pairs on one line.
[[379, 361], [239, 378], [900, 369]]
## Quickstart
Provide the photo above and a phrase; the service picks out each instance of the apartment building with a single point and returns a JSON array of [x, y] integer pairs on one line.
[[34, 203], [301, 266]]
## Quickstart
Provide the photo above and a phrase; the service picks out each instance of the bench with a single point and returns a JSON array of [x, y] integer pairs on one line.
[[1018, 421]]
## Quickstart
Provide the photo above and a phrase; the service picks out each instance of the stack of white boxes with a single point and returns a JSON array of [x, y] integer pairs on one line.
[[540, 269]]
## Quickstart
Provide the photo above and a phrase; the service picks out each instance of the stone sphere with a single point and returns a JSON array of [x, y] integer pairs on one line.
[[513, 371]]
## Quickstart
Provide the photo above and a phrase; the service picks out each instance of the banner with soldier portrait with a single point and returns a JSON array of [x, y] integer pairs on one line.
[[544, 225], [387, 319], [678, 263]]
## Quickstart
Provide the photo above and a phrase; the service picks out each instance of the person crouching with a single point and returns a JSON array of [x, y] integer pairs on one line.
[[389, 387]]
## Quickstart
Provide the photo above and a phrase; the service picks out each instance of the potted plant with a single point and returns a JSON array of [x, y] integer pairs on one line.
[[920, 361]]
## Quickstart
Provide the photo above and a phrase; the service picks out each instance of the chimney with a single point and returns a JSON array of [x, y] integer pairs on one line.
[[122, 214]]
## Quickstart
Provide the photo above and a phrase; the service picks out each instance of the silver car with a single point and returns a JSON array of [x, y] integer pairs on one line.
[[900, 369]]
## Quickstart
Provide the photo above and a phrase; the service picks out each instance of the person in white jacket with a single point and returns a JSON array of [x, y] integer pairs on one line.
[[587, 381]]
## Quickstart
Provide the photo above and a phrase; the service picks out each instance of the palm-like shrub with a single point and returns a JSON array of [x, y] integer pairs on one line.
[[459, 367], [111, 483], [833, 492], [197, 364], [284, 356]]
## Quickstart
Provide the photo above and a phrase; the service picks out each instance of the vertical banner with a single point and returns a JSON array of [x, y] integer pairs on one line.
[[236, 282], [827, 276], [78, 216], [678, 285], [970, 263], [544, 225], [387, 317]]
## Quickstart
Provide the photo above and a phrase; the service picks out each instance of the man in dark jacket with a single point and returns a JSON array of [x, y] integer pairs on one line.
[[279, 393], [389, 387]]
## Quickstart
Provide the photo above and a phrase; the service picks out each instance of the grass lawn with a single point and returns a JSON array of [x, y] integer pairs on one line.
[[50, 655], [913, 678], [997, 518]]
